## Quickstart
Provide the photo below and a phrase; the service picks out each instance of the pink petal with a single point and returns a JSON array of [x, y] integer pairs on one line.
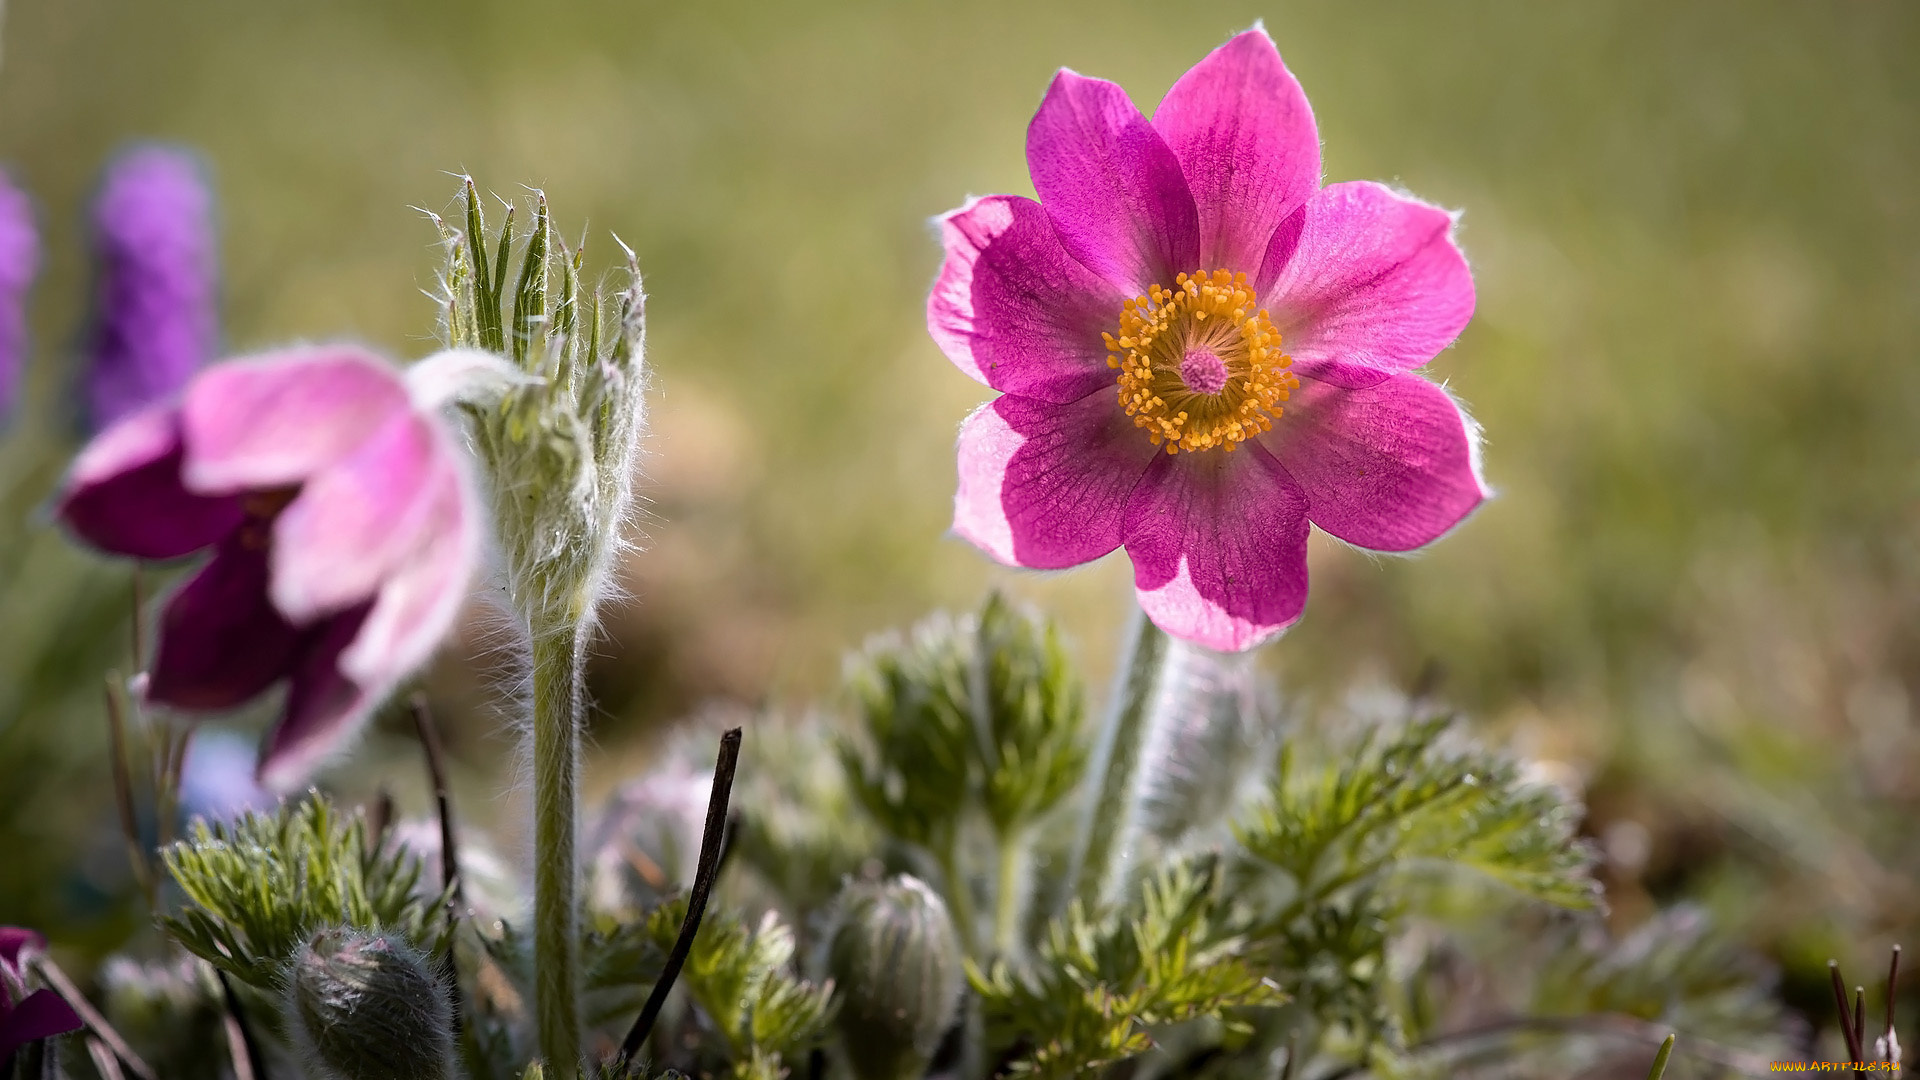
[[221, 642], [16, 940], [418, 603], [1244, 133], [1362, 283], [1012, 309], [1219, 547], [42, 1015], [1110, 185], [356, 520], [1390, 467], [124, 494], [324, 707], [277, 418], [1046, 486]]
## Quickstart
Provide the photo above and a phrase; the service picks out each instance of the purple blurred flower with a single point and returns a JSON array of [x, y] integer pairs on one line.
[[217, 779], [1176, 256], [19, 262], [154, 318], [343, 525], [27, 1017]]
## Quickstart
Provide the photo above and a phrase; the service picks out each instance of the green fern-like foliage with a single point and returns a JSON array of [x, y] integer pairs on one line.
[[742, 979], [1028, 701], [258, 886], [1356, 840], [1675, 970], [801, 829], [1098, 984], [981, 710], [1403, 803]]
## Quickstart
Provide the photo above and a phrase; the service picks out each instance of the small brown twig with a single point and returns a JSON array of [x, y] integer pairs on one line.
[[450, 878], [437, 772], [1860, 1020], [712, 840], [137, 854], [1893, 981], [379, 815], [90, 1016], [1846, 1013], [169, 765]]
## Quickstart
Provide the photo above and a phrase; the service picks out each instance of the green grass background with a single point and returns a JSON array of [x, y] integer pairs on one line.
[[1695, 230]]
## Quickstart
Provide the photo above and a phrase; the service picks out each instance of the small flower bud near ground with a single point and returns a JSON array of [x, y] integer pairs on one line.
[[367, 1006], [897, 962]]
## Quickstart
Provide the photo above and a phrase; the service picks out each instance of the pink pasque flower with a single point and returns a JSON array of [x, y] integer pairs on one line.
[[1202, 350], [343, 527]]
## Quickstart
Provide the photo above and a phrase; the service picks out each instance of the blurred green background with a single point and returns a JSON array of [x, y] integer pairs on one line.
[[1696, 235]]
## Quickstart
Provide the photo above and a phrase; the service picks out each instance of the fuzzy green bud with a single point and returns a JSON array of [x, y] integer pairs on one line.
[[558, 446], [367, 1006], [896, 964]]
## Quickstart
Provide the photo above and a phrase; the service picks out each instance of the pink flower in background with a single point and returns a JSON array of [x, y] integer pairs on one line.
[[19, 263], [1202, 350], [27, 1017], [342, 524], [154, 321]]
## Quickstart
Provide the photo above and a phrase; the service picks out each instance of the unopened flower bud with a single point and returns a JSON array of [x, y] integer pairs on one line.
[[367, 1006], [896, 964]]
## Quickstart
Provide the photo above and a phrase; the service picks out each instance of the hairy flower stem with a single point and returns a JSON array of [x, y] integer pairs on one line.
[[557, 655], [959, 892], [1014, 887], [1104, 847]]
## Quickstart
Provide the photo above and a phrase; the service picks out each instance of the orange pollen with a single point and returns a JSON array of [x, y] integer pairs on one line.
[[1200, 366]]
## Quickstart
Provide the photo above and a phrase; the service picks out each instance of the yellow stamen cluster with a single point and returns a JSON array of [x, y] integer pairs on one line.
[[1210, 317]]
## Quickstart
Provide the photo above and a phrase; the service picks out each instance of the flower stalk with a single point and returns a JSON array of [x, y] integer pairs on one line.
[[1106, 834], [1015, 886], [556, 802], [556, 428]]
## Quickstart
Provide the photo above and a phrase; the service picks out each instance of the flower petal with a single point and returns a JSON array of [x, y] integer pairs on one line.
[[1012, 309], [221, 642], [1244, 134], [42, 1015], [419, 601], [1363, 282], [356, 520], [1219, 547], [1390, 467], [124, 493], [324, 707], [17, 940], [277, 418], [1046, 486], [1110, 185]]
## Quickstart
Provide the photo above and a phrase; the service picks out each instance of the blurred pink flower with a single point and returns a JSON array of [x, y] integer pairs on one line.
[[27, 1017], [19, 263], [1196, 260], [154, 322], [343, 529]]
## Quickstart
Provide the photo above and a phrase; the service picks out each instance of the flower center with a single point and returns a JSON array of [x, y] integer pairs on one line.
[[1200, 366], [261, 508], [1202, 371]]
